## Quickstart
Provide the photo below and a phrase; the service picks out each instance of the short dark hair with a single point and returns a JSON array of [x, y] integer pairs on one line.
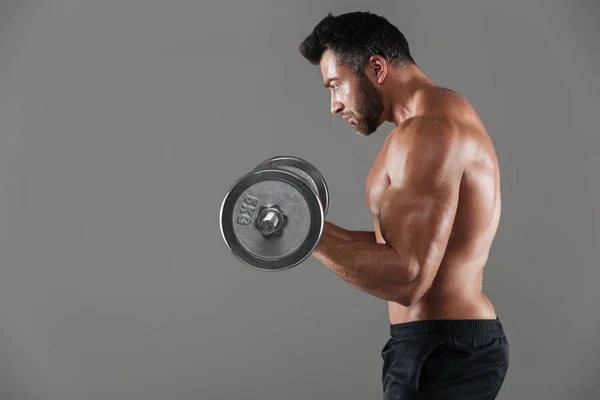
[[354, 37]]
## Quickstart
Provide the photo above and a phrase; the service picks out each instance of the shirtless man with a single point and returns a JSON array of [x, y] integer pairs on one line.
[[434, 192]]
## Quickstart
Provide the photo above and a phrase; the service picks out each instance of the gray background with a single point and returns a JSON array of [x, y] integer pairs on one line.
[[123, 124]]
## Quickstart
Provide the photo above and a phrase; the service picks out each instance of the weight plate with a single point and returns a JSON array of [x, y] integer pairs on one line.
[[303, 168], [264, 188]]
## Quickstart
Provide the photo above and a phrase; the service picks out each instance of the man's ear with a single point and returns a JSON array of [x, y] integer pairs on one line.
[[377, 69]]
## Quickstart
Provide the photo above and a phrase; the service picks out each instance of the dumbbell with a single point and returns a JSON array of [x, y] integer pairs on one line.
[[272, 218]]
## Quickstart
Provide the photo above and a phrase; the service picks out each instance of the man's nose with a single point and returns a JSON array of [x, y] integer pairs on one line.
[[336, 106]]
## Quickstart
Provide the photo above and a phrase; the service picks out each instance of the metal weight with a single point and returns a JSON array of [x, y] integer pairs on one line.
[[303, 168], [272, 218]]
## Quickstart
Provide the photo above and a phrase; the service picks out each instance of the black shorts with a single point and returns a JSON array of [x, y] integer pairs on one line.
[[445, 359]]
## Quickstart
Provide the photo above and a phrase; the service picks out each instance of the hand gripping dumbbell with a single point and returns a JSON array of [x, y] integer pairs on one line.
[[272, 218]]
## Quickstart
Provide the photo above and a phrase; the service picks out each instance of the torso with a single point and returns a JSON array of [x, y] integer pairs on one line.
[[456, 292]]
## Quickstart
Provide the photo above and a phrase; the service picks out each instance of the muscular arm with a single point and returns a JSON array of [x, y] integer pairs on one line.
[[341, 233], [416, 216], [371, 267]]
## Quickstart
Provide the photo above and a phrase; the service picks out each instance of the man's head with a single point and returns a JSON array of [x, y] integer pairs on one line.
[[356, 52]]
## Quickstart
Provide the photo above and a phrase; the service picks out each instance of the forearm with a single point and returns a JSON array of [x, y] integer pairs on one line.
[[374, 268], [360, 236]]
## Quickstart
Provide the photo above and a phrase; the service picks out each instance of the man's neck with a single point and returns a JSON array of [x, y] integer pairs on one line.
[[406, 87]]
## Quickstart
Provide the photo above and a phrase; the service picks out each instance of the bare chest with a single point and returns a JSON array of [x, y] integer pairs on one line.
[[377, 181]]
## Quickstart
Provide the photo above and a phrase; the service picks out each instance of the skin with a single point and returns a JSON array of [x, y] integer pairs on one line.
[[433, 190]]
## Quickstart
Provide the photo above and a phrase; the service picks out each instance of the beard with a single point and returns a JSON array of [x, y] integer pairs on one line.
[[369, 107]]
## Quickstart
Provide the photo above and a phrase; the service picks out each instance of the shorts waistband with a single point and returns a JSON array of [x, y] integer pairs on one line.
[[445, 328]]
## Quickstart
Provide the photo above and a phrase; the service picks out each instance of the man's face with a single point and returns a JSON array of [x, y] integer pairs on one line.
[[353, 96]]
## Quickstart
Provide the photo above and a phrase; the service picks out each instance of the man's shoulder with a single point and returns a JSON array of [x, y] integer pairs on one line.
[[434, 139], [444, 118], [426, 130]]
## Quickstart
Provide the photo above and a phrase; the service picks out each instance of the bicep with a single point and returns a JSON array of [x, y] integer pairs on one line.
[[416, 220]]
